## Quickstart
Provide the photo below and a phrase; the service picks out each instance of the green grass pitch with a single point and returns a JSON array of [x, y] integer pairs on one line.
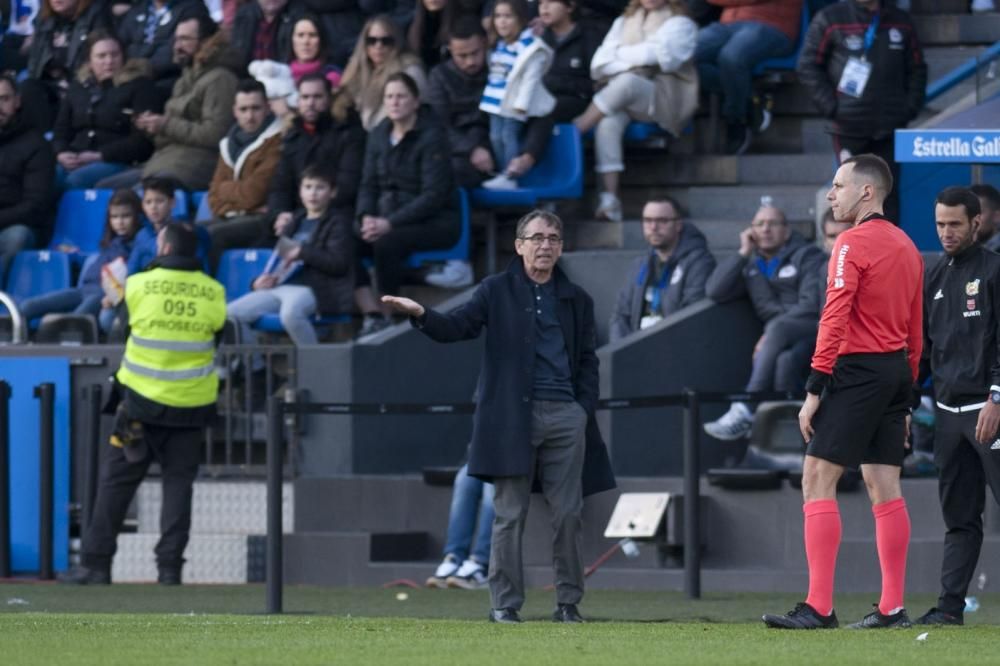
[[146, 624]]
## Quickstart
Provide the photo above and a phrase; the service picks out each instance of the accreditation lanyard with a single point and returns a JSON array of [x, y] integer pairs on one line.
[[857, 71]]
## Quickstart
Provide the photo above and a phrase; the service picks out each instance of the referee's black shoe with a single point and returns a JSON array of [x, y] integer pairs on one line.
[[876, 620], [938, 616], [803, 616]]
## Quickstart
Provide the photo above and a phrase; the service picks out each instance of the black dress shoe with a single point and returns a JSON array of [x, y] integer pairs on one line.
[[938, 616], [876, 620], [169, 577], [85, 576], [567, 613], [803, 616], [504, 616]]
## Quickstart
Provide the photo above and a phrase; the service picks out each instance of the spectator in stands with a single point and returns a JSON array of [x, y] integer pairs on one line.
[[778, 270], [124, 220], [19, 28], [748, 33], [378, 55], [248, 157], [316, 137], [27, 171], [311, 269], [57, 50], [157, 205], [831, 230], [407, 197], [471, 515], [341, 22], [568, 79], [645, 72], [310, 51], [433, 23], [514, 90], [93, 137], [865, 69], [262, 30], [989, 206], [147, 31], [197, 114], [670, 277], [400, 12], [279, 84]]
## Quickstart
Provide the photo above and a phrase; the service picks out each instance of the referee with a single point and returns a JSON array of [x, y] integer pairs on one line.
[[859, 392], [962, 355]]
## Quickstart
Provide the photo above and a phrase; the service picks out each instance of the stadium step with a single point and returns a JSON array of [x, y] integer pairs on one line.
[[211, 558], [954, 29], [218, 507]]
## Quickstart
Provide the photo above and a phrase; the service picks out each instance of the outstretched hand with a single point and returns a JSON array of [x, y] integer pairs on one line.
[[406, 306]]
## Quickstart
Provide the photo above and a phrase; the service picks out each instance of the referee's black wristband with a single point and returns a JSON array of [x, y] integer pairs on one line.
[[817, 382]]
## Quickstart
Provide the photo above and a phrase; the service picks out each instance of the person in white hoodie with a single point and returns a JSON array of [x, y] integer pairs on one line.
[[645, 72], [514, 91]]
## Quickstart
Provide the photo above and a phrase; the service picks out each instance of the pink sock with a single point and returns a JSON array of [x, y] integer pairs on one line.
[[822, 537], [892, 535]]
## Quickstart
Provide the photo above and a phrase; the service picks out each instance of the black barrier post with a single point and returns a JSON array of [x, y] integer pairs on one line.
[[4, 479], [692, 497], [92, 454], [275, 419], [46, 395]]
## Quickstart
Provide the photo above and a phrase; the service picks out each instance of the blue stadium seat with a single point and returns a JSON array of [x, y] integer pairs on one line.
[[637, 132], [198, 200], [36, 272], [460, 250], [80, 220], [558, 175], [786, 63], [238, 268]]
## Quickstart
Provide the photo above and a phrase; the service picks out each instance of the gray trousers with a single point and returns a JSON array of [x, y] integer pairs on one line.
[[557, 442]]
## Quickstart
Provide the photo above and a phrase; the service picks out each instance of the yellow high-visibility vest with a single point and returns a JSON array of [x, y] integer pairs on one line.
[[170, 354]]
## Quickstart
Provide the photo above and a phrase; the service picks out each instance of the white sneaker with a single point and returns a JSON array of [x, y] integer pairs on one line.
[[454, 275], [471, 576], [609, 208], [501, 182], [734, 424], [449, 567]]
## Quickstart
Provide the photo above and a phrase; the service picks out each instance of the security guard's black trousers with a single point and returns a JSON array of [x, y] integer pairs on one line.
[[964, 468], [178, 451]]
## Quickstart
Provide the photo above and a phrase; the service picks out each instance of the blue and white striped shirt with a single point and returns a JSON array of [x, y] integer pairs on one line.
[[502, 59]]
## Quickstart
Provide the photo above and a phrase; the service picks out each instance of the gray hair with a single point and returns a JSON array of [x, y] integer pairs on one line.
[[550, 219]]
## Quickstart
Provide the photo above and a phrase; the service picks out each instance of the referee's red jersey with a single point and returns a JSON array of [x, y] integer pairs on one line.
[[874, 295]]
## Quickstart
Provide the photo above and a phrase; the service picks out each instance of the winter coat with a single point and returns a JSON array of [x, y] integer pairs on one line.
[[340, 145], [790, 292], [454, 96], [328, 260], [569, 70], [98, 116], [342, 21], [27, 172], [90, 274], [658, 46], [894, 94], [198, 114], [40, 53], [244, 33], [690, 265], [241, 187], [409, 183], [501, 431], [132, 32], [524, 95]]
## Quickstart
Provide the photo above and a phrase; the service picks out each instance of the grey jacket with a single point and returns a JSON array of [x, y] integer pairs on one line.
[[791, 291], [690, 266]]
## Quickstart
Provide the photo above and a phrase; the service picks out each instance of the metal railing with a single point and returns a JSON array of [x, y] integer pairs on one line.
[[970, 67]]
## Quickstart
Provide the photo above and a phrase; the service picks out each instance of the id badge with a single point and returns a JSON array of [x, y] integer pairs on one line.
[[855, 77]]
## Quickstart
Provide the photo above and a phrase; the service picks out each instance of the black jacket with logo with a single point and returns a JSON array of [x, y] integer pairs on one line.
[[961, 309]]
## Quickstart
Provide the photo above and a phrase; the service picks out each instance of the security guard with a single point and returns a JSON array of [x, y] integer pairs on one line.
[[962, 355], [167, 388]]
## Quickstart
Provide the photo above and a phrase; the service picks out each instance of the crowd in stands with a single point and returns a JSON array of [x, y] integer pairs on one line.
[[390, 106]]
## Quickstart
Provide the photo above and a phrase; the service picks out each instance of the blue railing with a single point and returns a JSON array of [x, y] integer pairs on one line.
[[961, 73]]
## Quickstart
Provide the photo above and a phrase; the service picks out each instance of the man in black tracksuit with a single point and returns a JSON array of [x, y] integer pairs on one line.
[[962, 355]]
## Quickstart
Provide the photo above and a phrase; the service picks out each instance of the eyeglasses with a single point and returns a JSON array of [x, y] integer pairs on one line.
[[388, 41], [538, 239], [660, 220]]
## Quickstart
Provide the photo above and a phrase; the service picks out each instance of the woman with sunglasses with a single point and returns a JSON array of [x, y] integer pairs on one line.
[[378, 55]]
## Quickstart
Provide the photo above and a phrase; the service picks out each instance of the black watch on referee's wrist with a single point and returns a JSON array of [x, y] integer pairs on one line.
[[995, 397]]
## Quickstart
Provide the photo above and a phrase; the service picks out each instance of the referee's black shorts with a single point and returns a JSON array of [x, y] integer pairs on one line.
[[862, 415]]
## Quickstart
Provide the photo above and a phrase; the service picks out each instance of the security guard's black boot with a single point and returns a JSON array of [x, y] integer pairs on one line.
[[81, 575], [169, 576]]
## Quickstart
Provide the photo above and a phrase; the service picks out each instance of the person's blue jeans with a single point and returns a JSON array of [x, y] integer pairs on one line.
[[505, 137], [86, 177], [726, 55], [64, 300], [13, 239], [471, 514]]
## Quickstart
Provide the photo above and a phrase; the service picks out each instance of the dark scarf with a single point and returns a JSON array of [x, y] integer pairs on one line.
[[239, 140]]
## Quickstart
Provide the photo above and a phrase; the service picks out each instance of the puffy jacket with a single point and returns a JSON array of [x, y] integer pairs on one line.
[[244, 32], [334, 143], [791, 290], [328, 260], [454, 96], [569, 69], [27, 171], [41, 53], [411, 182], [92, 115], [894, 94], [690, 266], [241, 186]]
